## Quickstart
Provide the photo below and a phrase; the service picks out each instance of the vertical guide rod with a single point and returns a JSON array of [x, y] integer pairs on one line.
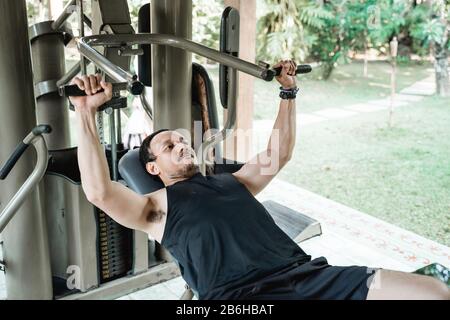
[[112, 132], [81, 31], [119, 127], [83, 66]]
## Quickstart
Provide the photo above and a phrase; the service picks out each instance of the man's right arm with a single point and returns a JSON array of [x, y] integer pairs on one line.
[[120, 203]]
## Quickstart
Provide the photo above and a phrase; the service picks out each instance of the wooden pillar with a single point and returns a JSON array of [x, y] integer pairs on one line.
[[55, 8], [238, 147]]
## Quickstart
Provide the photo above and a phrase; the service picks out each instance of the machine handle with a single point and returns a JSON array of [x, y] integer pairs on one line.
[[41, 129], [72, 91], [10, 163], [135, 88], [269, 74], [20, 149]]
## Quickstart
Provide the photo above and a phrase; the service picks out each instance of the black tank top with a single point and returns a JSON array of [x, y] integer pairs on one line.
[[222, 237]]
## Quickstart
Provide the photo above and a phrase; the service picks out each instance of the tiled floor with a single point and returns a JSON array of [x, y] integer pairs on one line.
[[352, 237]]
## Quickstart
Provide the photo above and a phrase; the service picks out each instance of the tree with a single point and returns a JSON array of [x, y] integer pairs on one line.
[[360, 19], [388, 21], [333, 37], [206, 16], [430, 25], [279, 28], [286, 28]]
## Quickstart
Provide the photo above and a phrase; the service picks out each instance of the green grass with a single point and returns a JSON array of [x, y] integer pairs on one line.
[[400, 175], [345, 86]]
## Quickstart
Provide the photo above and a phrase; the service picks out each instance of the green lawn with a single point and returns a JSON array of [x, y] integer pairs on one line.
[[400, 175], [346, 86]]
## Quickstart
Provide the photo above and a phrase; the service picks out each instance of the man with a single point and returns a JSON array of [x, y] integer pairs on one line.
[[226, 243]]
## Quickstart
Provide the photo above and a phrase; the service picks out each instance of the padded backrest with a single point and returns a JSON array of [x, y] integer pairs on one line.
[[135, 176], [142, 182]]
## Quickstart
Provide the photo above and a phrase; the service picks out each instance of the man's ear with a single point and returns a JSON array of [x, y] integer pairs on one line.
[[152, 168]]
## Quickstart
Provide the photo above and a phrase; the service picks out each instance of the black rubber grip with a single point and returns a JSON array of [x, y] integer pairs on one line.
[[73, 90], [302, 68], [41, 129], [10, 163], [269, 74]]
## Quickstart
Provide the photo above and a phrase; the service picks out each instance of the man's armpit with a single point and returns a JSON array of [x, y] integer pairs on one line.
[[155, 216]]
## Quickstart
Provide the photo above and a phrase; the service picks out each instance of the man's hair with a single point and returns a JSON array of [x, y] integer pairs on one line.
[[145, 153]]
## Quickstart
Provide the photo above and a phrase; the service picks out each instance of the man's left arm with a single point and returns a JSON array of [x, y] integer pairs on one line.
[[261, 169]]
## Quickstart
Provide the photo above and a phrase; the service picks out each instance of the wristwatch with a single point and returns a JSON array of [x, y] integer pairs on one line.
[[288, 94]]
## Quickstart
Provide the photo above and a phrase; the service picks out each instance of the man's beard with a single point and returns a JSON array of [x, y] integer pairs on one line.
[[186, 172]]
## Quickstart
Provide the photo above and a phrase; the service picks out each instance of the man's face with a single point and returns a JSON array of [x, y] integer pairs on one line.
[[175, 157]]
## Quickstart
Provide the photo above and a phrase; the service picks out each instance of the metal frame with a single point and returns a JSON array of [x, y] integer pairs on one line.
[[231, 120], [129, 284], [30, 184], [86, 44]]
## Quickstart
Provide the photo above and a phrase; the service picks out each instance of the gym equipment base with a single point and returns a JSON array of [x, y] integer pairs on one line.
[[129, 284]]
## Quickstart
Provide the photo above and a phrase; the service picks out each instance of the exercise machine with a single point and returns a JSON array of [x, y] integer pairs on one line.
[[76, 251]]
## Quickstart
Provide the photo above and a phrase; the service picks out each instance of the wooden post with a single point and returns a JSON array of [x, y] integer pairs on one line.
[[393, 46], [241, 147], [366, 54], [441, 55], [43, 11], [55, 8]]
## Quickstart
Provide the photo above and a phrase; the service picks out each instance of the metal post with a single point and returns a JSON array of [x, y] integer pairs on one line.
[[172, 67], [119, 126], [80, 15], [113, 142], [48, 57], [25, 244]]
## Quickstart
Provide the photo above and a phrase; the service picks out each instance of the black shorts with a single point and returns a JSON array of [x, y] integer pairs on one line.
[[312, 280]]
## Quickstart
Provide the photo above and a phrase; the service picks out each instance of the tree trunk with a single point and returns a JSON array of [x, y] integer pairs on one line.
[[441, 70], [365, 54], [441, 58], [328, 67], [393, 89]]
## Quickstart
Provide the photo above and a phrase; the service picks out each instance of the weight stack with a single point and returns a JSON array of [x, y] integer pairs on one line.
[[115, 248]]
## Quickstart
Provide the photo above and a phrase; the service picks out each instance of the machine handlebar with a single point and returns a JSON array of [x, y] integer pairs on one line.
[[20, 149], [135, 88], [269, 74]]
